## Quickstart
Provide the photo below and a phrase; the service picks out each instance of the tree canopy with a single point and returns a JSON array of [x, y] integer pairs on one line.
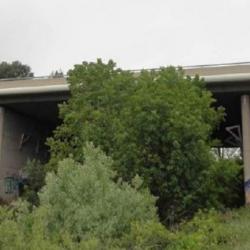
[[14, 70], [56, 74], [157, 124]]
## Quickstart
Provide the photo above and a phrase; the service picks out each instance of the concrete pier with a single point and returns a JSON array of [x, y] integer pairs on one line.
[[245, 114], [20, 139]]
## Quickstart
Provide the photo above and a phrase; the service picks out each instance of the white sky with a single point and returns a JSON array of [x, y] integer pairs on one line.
[[54, 34]]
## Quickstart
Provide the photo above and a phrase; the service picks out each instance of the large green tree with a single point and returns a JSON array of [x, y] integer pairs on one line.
[[14, 70], [156, 124]]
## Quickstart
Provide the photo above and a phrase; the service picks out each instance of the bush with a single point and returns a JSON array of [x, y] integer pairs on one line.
[[226, 183], [147, 236], [84, 200], [17, 232], [204, 231], [85, 206], [214, 231], [35, 180], [82, 207]]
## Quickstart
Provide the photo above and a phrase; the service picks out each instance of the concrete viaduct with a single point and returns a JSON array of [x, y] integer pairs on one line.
[[29, 113]]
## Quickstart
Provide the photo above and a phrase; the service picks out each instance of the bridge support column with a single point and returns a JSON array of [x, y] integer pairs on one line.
[[245, 116]]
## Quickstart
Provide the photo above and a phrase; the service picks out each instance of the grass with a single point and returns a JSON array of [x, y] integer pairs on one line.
[[215, 231], [238, 228]]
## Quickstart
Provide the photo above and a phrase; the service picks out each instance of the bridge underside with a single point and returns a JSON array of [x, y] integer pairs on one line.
[[24, 126], [229, 131], [228, 94], [26, 121], [45, 113]]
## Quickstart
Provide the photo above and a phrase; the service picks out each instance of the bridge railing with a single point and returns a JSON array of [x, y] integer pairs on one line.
[[203, 70], [30, 78]]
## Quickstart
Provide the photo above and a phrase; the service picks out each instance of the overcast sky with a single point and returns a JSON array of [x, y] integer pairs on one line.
[[54, 34]]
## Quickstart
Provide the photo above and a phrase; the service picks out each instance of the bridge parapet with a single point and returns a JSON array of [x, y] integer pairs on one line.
[[31, 82]]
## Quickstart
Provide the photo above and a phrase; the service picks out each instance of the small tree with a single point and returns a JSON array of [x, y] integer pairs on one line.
[[84, 199], [14, 70], [57, 74]]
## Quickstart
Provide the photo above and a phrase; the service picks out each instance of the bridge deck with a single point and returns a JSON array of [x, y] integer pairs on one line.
[[219, 78], [31, 82], [38, 97]]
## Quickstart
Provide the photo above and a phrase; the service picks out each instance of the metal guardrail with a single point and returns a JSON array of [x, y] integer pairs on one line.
[[201, 66]]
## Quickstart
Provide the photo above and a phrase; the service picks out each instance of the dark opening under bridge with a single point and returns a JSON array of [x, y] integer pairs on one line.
[[29, 113]]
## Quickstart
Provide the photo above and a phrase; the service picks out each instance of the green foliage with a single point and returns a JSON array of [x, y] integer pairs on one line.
[[93, 204], [35, 172], [145, 236], [214, 231], [156, 124], [82, 207], [204, 231], [225, 183], [16, 229], [14, 69], [99, 92], [236, 227]]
